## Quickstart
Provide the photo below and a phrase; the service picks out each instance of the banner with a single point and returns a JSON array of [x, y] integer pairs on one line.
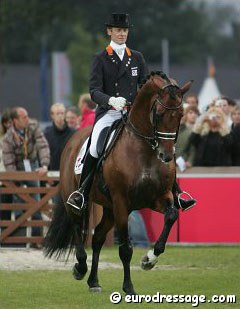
[[61, 77]]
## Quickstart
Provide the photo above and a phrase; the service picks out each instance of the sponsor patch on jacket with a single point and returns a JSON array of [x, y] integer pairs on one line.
[[134, 71]]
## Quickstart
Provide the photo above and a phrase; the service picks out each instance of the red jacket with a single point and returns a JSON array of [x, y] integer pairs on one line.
[[88, 118]]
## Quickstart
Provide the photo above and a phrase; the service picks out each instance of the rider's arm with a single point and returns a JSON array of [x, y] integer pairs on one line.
[[96, 83]]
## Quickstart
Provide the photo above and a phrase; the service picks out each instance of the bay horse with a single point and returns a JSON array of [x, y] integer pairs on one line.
[[139, 172]]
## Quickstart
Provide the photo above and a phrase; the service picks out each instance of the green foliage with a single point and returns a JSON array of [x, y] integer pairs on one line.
[[80, 51], [183, 271], [194, 31]]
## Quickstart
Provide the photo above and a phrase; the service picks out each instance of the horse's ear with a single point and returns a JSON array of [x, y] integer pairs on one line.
[[186, 87]]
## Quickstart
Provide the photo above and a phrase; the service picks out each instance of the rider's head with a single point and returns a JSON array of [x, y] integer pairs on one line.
[[118, 27]]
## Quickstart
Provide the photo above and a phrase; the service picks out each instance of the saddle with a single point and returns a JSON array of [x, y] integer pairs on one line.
[[107, 139]]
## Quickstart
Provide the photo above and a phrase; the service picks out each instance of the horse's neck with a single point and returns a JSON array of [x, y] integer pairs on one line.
[[139, 115]]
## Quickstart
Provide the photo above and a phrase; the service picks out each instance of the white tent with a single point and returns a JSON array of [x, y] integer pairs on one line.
[[209, 90]]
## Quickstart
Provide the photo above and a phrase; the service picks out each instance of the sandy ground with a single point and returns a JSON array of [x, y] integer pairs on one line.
[[33, 259]]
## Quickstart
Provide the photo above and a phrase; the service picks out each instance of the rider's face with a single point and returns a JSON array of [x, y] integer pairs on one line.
[[118, 35]]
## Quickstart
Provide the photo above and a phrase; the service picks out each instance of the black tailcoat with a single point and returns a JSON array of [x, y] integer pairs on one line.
[[111, 77]]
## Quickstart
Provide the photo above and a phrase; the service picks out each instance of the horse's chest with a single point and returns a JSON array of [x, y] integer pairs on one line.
[[149, 187]]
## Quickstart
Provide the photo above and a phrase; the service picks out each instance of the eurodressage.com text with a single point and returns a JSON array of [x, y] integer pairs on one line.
[[195, 300]]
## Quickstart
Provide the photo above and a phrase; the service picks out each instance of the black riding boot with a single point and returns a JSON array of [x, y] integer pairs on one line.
[[181, 202], [79, 198]]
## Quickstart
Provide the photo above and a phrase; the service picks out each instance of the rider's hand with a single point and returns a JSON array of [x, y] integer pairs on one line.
[[117, 103]]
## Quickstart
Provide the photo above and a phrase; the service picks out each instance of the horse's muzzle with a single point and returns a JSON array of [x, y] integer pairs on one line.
[[165, 158]]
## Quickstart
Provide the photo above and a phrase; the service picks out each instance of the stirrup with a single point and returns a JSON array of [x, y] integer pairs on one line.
[[83, 200], [190, 197]]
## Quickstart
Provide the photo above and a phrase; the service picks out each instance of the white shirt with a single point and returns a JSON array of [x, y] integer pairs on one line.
[[119, 49]]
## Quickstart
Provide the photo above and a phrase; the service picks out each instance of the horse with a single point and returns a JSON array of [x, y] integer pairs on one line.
[[138, 172]]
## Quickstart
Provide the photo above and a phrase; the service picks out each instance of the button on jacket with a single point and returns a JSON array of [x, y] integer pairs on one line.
[[111, 77]]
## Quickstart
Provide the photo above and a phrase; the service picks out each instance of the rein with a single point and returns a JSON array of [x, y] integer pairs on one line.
[[157, 135]]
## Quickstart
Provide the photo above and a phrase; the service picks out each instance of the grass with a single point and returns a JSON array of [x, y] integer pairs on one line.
[[181, 270]]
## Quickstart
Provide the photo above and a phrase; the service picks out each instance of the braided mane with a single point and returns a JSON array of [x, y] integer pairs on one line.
[[160, 73], [171, 89]]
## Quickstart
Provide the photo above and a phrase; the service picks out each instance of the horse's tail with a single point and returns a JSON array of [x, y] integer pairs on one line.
[[63, 233]]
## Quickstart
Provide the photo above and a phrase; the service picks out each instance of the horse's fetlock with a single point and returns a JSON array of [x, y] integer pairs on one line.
[[159, 250]]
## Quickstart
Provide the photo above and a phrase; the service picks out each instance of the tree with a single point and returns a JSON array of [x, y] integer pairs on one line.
[[80, 51]]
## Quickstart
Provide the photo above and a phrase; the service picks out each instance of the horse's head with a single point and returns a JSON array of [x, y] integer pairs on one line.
[[166, 114], [162, 98]]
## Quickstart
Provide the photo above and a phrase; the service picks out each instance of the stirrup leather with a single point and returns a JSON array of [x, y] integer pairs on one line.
[[179, 202], [83, 199]]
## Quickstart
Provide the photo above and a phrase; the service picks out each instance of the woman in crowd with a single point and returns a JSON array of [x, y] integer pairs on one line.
[[235, 132], [212, 140]]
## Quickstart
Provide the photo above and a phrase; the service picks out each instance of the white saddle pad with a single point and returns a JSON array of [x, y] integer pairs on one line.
[[79, 161]]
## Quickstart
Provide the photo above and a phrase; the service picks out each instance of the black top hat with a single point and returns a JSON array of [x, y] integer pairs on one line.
[[118, 21]]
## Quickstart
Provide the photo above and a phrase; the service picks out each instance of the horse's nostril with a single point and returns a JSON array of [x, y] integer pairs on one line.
[[165, 158]]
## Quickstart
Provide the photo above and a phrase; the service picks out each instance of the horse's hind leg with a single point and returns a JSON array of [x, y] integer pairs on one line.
[[80, 268], [170, 216], [98, 240]]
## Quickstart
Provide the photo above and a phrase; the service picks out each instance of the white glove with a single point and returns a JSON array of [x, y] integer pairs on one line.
[[118, 103]]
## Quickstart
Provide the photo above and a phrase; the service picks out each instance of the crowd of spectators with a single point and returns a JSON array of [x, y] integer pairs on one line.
[[211, 138], [25, 146]]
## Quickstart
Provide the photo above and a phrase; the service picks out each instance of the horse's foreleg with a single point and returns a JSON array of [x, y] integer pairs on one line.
[[80, 268], [98, 240], [125, 246], [170, 216], [125, 254]]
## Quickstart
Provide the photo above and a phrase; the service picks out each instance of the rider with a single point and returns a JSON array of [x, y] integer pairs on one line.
[[116, 73]]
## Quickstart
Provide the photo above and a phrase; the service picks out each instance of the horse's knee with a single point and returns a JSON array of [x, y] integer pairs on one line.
[[125, 252], [171, 215]]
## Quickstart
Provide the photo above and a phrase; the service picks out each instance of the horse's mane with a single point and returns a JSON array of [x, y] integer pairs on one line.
[[173, 86], [153, 73]]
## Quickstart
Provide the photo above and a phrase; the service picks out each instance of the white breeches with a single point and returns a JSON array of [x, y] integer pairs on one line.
[[103, 122]]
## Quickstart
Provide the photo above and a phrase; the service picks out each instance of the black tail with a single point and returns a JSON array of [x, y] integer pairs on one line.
[[60, 237]]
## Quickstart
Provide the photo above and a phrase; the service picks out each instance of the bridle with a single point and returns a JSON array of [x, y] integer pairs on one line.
[[157, 135]]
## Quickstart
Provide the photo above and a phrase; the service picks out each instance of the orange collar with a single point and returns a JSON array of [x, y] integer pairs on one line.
[[110, 51]]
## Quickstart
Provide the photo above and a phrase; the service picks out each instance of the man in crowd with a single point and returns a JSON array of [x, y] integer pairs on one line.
[[25, 148], [57, 134]]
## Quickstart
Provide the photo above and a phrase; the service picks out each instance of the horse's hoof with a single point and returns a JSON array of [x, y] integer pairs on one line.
[[149, 260], [77, 274], [95, 289]]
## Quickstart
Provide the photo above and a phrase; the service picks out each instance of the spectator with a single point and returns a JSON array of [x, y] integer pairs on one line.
[[24, 149], [223, 103], [24, 145], [235, 131], [212, 140], [57, 134], [72, 117], [182, 150], [87, 108], [191, 100]]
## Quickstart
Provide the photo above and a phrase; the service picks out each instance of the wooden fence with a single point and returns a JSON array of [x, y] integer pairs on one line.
[[38, 199]]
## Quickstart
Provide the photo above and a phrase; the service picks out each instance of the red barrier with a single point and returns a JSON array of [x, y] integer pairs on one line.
[[215, 218]]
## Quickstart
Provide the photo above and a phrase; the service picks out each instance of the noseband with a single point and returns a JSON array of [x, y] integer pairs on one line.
[[157, 135]]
